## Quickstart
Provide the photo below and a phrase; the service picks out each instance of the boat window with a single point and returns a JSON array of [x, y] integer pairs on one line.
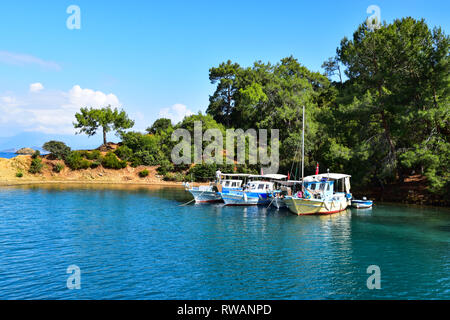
[[233, 184], [322, 186], [261, 187], [312, 186], [328, 187], [227, 183]]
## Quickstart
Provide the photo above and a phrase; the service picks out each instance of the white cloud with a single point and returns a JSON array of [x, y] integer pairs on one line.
[[36, 87], [50, 111], [176, 113], [21, 59]]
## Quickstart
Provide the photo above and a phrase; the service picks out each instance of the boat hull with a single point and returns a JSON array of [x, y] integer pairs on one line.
[[279, 203], [362, 204], [205, 196], [302, 206], [245, 199]]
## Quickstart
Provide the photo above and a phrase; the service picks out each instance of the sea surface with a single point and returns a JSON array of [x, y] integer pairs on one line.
[[139, 243], [7, 155]]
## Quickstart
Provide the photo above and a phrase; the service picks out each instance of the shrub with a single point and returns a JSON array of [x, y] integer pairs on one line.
[[36, 166], [124, 153], [111, 161], [95, 164], [144, 173], [135, 162], [57, 149], [58, 167], [84, 153], [36, 154], [75, 161], [165, 166], [94, 155], [178, 177], [19, 174], [203, 172]]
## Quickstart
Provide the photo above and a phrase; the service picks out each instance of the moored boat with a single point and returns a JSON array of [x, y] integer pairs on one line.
[[254, 193], [212, 192], [319, 196], [362, 204]]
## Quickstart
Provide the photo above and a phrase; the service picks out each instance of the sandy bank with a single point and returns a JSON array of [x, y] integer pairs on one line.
[[127, 176]]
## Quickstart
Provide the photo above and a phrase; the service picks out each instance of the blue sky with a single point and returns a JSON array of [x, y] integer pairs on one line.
[[153, 57]]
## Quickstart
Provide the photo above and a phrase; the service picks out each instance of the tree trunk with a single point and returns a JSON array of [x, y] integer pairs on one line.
[[104, 136]]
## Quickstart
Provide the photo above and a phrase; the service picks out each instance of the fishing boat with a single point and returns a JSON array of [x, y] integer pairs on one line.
[[362, 204], [212, 192], [321, 195], [256, 192], [286, 188]]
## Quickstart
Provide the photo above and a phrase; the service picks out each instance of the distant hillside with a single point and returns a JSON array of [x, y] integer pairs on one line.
[[36, 140]]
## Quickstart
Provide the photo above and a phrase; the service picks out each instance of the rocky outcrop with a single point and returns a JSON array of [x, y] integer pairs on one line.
[[25, 151]]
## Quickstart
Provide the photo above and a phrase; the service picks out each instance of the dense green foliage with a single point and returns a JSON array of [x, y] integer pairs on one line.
[[36, 165], [110, 161], [76, 161], [58, 150], [36, 154], [89, 120], [159, 126], [124, 153]]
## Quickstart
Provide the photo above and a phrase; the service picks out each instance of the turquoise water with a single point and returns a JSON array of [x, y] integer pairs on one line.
[[138, 243], [7, 155]]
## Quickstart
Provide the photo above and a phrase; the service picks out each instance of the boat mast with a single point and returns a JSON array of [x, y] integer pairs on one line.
[[303, 146]]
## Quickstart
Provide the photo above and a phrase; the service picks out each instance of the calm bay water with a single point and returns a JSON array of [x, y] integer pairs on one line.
[[7, 155], [138, 243]]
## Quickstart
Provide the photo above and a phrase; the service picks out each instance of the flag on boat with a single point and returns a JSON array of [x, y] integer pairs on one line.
[[317, 169]]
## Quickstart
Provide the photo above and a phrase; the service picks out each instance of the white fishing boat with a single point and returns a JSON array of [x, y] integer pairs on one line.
[[212, 192], [323, 194]]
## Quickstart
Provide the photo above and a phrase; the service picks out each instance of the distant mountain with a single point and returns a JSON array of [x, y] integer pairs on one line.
[[36, 140], [8, 150]]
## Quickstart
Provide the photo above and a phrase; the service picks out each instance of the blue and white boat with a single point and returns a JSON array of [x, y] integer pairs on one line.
[[254, 193], [362, 204], [212, 192]]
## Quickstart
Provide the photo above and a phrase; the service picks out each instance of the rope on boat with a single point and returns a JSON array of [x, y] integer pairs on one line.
[[184, 204], [271, 202]]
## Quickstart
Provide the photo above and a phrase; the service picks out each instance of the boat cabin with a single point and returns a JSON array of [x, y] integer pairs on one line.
[[327, 185], [260, 186], [231, 184], [232, 181], [320, 190]]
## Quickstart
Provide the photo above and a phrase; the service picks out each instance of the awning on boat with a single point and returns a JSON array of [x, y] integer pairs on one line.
[[235, 174], [290, 182], [329, 176], [269, 176]]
